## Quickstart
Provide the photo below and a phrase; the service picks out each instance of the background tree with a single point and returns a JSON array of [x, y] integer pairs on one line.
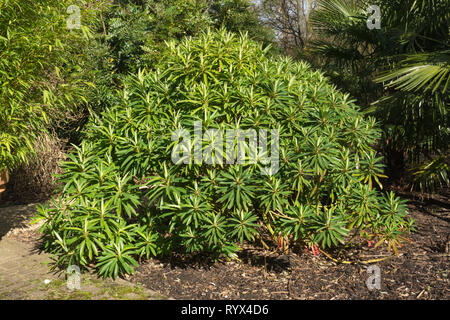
[[290, 20], [136, 30], [240, 16]]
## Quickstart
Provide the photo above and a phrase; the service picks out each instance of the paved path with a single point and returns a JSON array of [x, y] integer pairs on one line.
[[25, 272]]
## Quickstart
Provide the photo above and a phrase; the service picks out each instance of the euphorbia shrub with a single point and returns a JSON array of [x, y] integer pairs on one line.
[[125, 198]]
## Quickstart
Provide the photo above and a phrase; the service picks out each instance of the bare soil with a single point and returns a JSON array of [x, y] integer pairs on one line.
[[420, 271]]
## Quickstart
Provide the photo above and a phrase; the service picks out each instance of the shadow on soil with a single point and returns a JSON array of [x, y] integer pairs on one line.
[[14, 217]]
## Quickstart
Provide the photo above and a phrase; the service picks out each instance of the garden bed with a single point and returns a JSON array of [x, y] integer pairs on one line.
[[419, 272]]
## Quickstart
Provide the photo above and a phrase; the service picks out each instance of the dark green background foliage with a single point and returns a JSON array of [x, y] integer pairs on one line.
[[124, 199], [136, 31]]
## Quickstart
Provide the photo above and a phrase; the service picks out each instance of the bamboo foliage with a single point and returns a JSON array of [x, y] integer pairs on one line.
[[40, 62]]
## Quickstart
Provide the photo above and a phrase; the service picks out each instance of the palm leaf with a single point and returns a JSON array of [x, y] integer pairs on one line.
[[427, 71], [433, 173]]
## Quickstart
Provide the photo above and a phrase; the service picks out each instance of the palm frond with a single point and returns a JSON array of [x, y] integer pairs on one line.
[[337, 52], [432, 174], [427, 71], [336, 13]]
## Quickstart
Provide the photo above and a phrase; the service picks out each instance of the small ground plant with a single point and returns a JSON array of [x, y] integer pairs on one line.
[[125, 198]]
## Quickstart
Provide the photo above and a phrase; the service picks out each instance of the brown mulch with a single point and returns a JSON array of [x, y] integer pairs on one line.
[[419, 272]]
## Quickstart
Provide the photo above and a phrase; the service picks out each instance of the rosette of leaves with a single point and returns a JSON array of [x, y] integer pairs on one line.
[[124, 197]]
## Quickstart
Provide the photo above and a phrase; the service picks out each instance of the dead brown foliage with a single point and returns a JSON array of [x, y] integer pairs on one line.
[[35, 180]]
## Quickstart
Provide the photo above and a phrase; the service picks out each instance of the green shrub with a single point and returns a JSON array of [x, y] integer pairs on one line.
[[124, 198]]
